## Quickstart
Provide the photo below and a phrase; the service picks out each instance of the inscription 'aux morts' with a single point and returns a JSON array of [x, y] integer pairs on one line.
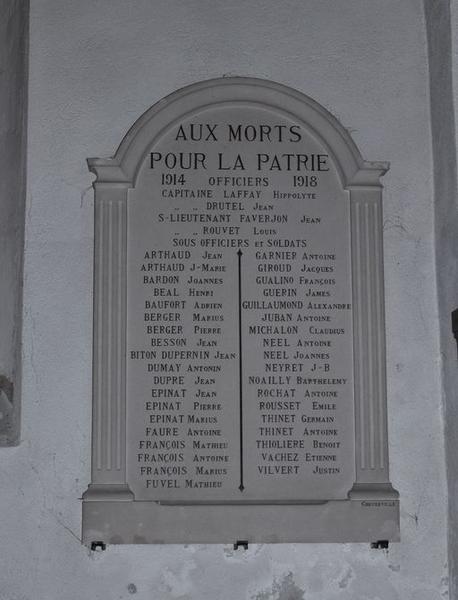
[[240, 314], [236, 134]]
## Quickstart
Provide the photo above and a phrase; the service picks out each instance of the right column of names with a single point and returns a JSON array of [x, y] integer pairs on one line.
[[296, 320]]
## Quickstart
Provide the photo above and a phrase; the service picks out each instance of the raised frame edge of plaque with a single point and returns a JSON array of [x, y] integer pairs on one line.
[[114, 176]]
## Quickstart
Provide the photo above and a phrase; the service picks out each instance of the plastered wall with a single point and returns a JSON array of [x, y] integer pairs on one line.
[[95, 66]]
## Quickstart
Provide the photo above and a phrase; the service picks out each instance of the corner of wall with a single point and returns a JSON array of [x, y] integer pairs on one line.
[[13, 134], [439, 27]]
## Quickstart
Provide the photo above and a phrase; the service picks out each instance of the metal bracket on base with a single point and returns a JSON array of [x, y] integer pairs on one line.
[[380, 545], [241, 544], [98, 546]]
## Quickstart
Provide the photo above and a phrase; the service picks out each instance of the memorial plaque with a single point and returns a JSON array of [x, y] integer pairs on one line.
[[239, 378]]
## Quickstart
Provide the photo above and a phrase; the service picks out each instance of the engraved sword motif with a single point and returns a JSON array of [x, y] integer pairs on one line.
[[239, 254]]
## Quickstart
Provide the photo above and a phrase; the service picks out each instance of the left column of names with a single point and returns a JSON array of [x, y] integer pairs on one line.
[[184, 371]]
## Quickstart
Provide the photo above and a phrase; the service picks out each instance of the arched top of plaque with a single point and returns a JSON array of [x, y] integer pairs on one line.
[[241, 91]]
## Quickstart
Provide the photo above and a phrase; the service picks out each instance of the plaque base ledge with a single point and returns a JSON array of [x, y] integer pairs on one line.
[[373, 491], [99, 492], [341, 521]]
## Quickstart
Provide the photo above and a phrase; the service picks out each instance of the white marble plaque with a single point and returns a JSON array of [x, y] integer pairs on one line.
[[240, 366], [239, 339]]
